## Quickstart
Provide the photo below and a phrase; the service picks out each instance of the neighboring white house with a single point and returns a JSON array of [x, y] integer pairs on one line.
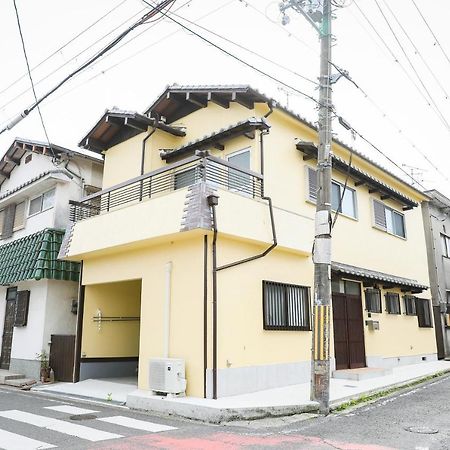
[[38, 293]]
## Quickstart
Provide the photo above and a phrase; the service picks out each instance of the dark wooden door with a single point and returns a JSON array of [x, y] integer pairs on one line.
[[62, 351], [8, 330], [348, 331]]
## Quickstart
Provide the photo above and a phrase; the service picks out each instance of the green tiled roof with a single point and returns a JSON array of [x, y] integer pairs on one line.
[[34, 257]]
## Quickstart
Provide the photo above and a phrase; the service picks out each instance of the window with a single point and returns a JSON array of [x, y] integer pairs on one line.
[[28, 158], [445, 240], [285, 306], [388, 219], [22, 304], [42, 203], [423, 313], [392, 303], [19, 217], [239, 181], [348, 204], [373, 300], [410, 305], [186, 178]]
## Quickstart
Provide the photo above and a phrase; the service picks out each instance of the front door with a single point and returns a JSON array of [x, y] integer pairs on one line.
[[348, 331], [8, 329], [62, 351]]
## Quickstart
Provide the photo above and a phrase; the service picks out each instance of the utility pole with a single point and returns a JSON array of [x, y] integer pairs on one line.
[[318, 14]]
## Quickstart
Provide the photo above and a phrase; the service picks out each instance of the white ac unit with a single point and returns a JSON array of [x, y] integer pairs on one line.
[[167, 375]]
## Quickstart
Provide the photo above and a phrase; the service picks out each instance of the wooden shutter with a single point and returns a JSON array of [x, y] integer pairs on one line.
[[22, 302], [312, 184], [8, 222], [379, 214], [2, 219], [19, 217]]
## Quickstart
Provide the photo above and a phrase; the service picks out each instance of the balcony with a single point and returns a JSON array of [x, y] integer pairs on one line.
[[216, 172]]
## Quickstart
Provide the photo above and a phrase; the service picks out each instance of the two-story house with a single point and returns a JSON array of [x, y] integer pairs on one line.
[[436, 217], [38, 293], [199, 247]]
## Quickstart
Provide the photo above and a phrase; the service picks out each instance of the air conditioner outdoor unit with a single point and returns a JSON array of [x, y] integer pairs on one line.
[[167, 375]]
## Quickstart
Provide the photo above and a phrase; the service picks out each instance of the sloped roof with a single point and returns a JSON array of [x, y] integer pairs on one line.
[[34, 257], [368, 274]]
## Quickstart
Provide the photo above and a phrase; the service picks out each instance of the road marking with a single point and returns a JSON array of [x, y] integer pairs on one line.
[[137, 424], [81, 431], [70, 409], [12, 441]]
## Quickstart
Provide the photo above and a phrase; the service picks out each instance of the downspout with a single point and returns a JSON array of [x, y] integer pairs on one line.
[[167, 308], [212, 202], [272, 220], [144, 141]]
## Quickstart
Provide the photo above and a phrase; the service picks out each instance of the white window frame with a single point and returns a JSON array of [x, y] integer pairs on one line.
[[310, 199], [237, 153], [386, 230], [42, 202]]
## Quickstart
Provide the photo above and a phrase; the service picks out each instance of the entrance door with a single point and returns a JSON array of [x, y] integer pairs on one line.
[[8, 330], [348, 331], [62, 352]]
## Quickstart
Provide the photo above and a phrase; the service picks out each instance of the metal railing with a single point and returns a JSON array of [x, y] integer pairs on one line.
[[216, 172]]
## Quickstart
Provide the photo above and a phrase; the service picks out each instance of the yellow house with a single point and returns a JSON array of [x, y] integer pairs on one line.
[[199, 248]]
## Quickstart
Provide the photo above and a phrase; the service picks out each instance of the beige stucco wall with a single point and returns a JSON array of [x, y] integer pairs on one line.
[[111, 339], [186, 320]]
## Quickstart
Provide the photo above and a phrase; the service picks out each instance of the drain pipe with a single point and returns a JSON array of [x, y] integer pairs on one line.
[[144, 141], [168, 268], [272, 220], [213, 201]]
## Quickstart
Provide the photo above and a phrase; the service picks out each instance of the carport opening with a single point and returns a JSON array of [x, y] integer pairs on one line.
[[111, 326]]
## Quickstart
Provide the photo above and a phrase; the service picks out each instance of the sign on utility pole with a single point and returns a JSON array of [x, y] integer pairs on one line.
[[318, 14]]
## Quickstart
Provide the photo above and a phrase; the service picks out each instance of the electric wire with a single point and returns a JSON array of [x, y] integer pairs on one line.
[[237, 58], [384, 115], [20, 94], [31, 80], [155, 10], [416, 50], [399, 63], [62, 47], [431, 31], [408, 59]]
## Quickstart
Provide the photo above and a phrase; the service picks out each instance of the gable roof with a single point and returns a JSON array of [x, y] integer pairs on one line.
[[20, 147], [117, 125]]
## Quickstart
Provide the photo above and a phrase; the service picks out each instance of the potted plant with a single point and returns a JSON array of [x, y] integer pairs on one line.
[[45, 368]]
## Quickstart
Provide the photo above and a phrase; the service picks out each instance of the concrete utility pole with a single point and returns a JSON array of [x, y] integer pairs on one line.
[[318, 15]]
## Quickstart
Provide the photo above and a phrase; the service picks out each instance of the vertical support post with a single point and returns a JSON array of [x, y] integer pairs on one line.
[[320, 365], [79, 329]]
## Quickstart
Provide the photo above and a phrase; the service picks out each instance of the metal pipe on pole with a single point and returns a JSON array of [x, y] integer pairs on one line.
[[319, 16]]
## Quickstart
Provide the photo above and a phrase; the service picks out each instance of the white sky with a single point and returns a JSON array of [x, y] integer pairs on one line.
[[167, 55]]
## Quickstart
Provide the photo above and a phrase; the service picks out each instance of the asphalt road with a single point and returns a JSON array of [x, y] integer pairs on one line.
[[30, 420]]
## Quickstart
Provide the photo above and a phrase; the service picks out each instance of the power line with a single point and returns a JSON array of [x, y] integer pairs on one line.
[[431, 31], [20, 94], [31, 79], [408, 59], [157, 9], [237, 58], [398, 61], [63, 46], [417, 51]]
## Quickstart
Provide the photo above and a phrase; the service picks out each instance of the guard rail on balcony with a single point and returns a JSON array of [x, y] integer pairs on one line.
[[215, 171]]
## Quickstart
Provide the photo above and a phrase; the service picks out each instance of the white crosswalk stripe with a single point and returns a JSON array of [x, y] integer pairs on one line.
[[13, 441], [136, 424], [81, 431], [70, 409]]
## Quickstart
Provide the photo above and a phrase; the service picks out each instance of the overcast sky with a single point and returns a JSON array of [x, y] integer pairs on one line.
[[397, 115]]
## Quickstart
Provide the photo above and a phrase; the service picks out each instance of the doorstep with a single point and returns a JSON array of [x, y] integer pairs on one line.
[[363, 373], [15, 379]]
